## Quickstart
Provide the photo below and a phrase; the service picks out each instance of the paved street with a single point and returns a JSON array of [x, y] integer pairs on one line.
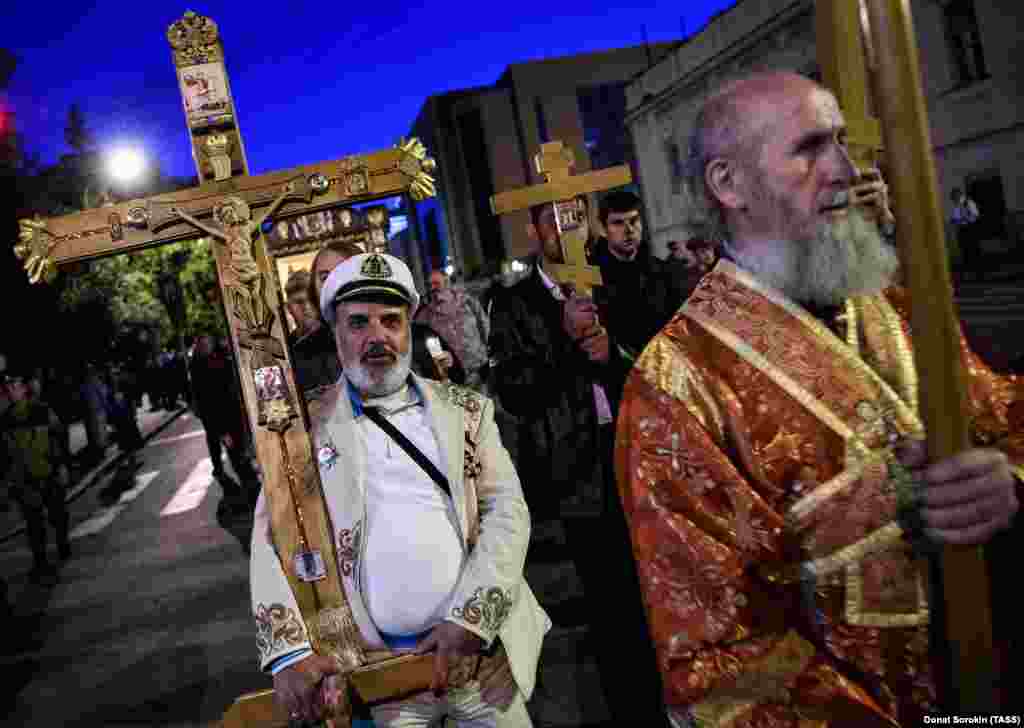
[[150, 626]]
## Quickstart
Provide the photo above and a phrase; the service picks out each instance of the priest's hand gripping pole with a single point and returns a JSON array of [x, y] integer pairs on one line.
[[961, 602]]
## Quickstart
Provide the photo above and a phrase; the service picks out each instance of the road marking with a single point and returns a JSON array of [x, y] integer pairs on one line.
[[105, 516], [141, 482], [192, 491], [176, 438]]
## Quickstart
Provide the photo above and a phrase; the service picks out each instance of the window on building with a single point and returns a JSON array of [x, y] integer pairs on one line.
[[434, 240], [964, 42], [675, 165], [603, 115], [481, 182]]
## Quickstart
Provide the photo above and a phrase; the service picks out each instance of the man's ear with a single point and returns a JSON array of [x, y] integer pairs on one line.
[[531, 231], [725, 183]]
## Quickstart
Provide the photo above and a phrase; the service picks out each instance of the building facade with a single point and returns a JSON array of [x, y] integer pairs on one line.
[[972, 83], [484, 140]]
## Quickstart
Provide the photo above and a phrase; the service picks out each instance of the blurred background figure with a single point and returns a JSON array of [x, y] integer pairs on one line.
[[34, 464], [314, 353], [461, 323], [704, 252], [219, 406], [299, 305], [121, 414], [94, 394]]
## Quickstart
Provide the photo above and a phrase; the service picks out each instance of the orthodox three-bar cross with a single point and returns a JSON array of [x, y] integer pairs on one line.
[[565, 192], [867, 51], [231, 210]]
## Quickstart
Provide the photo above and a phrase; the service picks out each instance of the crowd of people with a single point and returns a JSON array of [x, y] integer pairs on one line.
[[708, 429], [729, 440]]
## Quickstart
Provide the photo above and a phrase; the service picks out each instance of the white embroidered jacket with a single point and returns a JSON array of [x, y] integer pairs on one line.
[[492, 598]]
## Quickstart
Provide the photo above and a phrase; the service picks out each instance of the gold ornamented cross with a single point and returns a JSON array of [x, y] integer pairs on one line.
[[231, 205], [562, 188]]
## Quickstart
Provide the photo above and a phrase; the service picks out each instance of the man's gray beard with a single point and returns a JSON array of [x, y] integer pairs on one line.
[[848, 257], [392, 381]]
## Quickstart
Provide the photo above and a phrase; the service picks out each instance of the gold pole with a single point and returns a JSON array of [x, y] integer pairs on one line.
[[968, 621]]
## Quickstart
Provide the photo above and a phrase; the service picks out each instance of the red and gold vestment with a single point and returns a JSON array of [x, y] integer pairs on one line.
[[753, 459]]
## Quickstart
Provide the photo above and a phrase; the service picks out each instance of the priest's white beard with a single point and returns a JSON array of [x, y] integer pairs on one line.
[[392, 381], [847, 257]]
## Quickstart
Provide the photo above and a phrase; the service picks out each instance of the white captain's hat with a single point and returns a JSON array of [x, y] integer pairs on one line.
[[365, 276]]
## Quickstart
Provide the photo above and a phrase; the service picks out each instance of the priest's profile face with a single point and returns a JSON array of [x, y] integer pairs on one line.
[[374, 345], [794, 200]]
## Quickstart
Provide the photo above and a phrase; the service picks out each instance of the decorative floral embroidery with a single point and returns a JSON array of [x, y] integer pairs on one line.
[[488, 610], [277, 627], [472, 465], [348, 547], [460, 396], [327, 455]]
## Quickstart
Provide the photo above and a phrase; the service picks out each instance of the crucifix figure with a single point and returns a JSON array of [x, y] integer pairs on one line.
[[246, 283]]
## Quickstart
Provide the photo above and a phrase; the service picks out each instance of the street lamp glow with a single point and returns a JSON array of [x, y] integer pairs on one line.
[[449, 269], [126, 164]]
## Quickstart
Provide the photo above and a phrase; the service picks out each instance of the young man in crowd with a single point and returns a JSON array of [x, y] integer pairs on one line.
[[640, 292], [560, 371]]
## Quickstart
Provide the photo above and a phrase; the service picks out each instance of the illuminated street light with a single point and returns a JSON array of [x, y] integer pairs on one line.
[[449, 269], [126, 164]]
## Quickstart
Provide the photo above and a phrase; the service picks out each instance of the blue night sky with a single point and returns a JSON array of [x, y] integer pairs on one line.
[[311, 80]]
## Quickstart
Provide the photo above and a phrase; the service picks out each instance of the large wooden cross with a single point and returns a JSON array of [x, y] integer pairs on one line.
[[230, 208], [562, 189], [867, 51]]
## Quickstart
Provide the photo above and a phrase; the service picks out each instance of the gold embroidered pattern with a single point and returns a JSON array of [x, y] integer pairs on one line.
[[857, 610], [838, 348], [666, 369], [348, 547], [487, 610], [867, 418], [472, 465], [766, 679], [339, 632], [828, 490], [881, 540], [277, 627], [773, 372]]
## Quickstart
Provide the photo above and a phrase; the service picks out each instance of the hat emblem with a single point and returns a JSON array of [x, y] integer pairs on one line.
[[376, 266]]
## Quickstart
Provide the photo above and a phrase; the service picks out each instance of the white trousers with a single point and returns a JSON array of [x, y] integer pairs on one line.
[[491, 701]]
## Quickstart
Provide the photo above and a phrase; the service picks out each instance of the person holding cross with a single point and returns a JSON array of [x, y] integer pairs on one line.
[[770, 448], [560, 372], [431, 528]]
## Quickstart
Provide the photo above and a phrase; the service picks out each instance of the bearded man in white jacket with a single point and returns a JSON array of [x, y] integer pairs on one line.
[[429, 563]]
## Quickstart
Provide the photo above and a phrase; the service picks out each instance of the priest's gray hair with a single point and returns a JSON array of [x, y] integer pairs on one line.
[[722, 129]]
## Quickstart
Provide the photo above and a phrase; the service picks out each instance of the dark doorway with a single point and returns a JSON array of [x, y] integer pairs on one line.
[[986, 189]]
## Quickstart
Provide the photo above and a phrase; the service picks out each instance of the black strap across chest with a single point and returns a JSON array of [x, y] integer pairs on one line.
[[374, 415]]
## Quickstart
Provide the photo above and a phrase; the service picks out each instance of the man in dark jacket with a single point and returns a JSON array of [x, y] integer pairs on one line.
[[561, 373], [34, 467], [219, 406], [641, 293]]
